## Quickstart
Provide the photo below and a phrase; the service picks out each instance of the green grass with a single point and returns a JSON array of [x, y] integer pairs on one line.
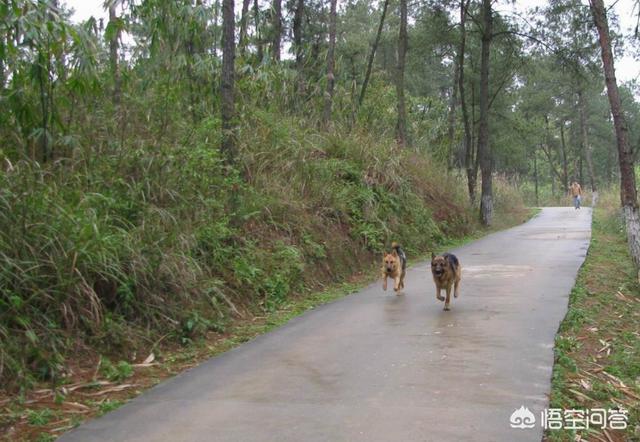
[[163, 242], [108, 405], [598, 344], [40, 417], [175, 359]]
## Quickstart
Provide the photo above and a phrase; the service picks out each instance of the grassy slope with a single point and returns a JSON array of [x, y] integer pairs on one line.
[[157, 248], [41, 415], [598, 344]]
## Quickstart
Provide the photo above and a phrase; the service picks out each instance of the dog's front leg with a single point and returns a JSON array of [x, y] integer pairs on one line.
[[439, 297], [396, 284], [384, 282], [446, 302]]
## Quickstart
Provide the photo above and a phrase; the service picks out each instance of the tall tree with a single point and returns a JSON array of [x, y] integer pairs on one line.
[[372, 54], [328, 99], [256, 23], [244, 18], [401, 126], [563, 151], [451, 118], [228, 146], [113, 33], [584, 139], [470, 164], [628, 195], [484, 148], [277, 30], [297, 33], [297, 43]]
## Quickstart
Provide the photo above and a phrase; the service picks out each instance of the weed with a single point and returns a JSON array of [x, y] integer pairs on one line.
[[108, 405], [39, 417], [115, 373]]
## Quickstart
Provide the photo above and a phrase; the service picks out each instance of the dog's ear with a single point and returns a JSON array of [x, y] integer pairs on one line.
[[394, 253], [433, 256]]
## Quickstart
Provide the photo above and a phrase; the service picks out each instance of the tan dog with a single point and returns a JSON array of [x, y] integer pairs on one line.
[[447, 272], [394, 265]]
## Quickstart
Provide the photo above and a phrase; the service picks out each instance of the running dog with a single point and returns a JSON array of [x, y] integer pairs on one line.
[[394, 265], [447, 272]]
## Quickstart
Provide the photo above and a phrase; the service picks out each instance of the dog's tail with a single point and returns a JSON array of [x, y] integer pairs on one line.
[[403, 258]]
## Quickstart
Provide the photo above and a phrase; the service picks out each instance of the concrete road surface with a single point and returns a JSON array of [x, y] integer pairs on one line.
[[375, 366]]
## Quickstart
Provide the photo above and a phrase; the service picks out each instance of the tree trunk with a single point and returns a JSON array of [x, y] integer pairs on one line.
[[553, 171], [401, 127], [628, 196], [277, 30], [468, 139], [328, 98], [472, 170], [216, 19], [228, 146], [565, 167], [372, 54], [244, 18], [582, 108], [259, 43], [297, 33], [451, 123], [297, 42], [580, 171], [484, 149], [113, 57], [535, 174]]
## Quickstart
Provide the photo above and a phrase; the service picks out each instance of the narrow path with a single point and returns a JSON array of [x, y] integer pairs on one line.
[[379, 367]]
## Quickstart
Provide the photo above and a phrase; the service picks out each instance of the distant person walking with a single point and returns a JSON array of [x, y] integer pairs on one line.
[[576, 193]]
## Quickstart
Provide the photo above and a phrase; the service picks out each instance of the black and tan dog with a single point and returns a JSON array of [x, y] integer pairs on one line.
[[394, 265], [447, 272]]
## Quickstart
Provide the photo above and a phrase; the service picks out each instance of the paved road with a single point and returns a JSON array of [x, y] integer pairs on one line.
[[379, 367]]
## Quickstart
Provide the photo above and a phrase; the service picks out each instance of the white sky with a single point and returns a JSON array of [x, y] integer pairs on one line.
[[627, 67]]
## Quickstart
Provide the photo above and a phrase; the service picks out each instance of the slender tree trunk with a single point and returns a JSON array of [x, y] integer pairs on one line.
[[468, 139], [472, 171], [535, 173], [244, 19], [4, 39], [297, 33], [228, 146], [113, 56], [216, 17], [451, 123], [42, 69], [372, 54], [401, 127], [565, 167], [484, 148], [628, 195], [297, 42], [580, 171], [328, 99], [259, 43], [277, 30], [584, 140]]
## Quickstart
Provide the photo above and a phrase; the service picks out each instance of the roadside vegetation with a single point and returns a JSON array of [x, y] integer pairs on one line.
[[597, 353], [178, 174], [170, 286]]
